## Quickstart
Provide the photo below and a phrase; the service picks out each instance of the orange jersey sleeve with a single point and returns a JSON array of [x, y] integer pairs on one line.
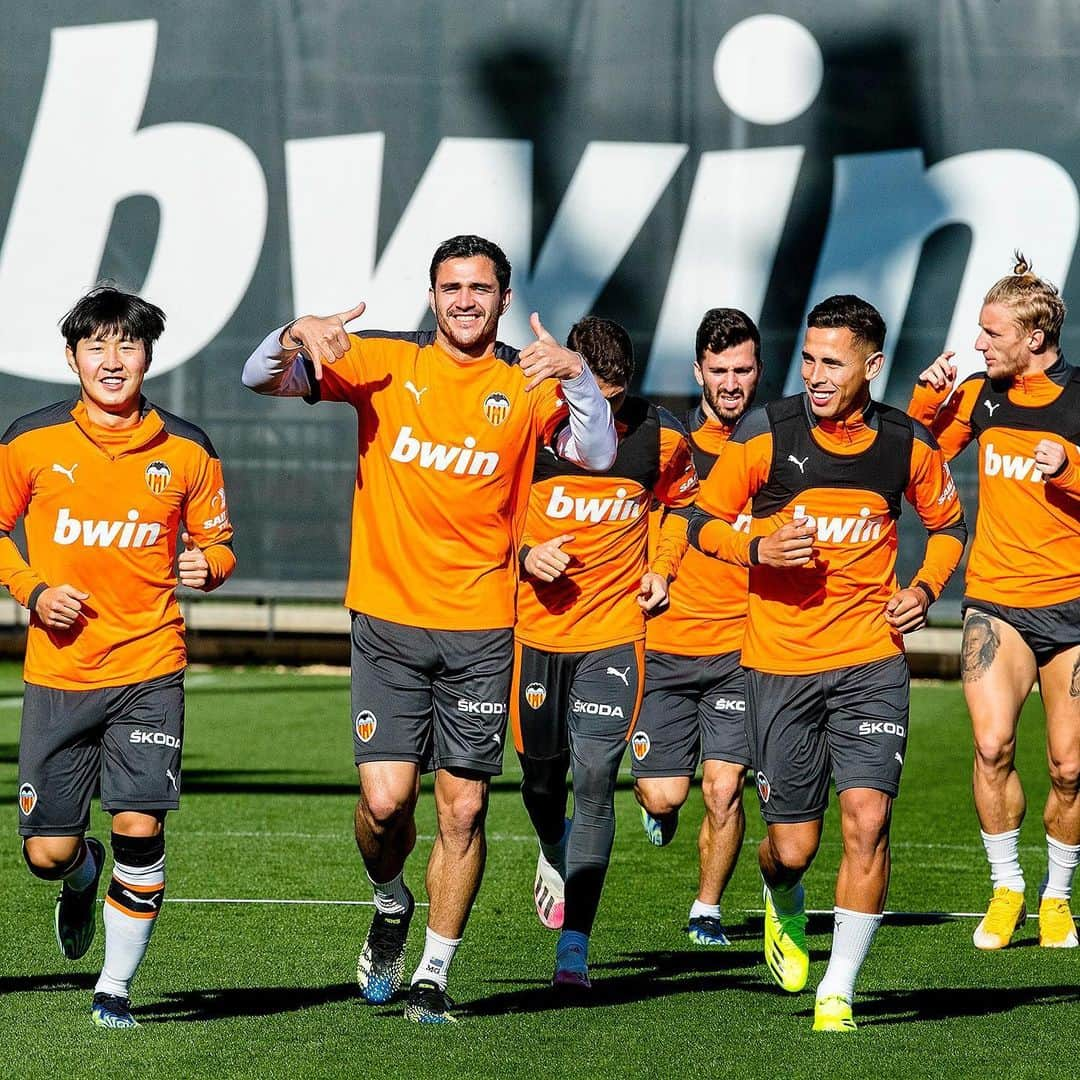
[[676, 486], [104, 514], [16, 487], [948, 420]]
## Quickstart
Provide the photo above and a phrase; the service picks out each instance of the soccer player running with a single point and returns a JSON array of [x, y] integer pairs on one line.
[[1022, 594], [448, 424], [586, 585], [694, 706], [106, 484], [826, 676]]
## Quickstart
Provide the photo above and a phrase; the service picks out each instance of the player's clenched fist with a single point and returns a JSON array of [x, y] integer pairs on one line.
[[545, 358], [547, 561], [653, 592], [60, 607], [1050, 456], [323, 338], [791, 545], [191, 566], [906, 610]]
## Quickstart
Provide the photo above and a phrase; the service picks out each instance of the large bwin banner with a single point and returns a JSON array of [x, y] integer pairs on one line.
[[242, 162]]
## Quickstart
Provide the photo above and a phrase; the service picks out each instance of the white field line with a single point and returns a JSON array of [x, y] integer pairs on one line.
[[11, 702], [270, 900]]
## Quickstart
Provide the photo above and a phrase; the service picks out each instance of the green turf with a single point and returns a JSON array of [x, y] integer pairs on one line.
[[268, 991]]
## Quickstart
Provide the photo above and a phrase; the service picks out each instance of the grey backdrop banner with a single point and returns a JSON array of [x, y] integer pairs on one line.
[[242, 162]]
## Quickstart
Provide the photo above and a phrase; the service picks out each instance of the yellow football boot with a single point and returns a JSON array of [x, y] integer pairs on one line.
[[1005, 915], [786, 954], [1056, 927], [833, 1013]]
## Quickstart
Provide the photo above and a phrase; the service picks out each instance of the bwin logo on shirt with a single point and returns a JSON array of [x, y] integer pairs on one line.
[[619, 508], [130, 533], [440, 457], [1011, 466], [845, 530]]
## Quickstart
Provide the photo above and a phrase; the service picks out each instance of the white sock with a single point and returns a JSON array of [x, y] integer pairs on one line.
[[700, 910], [788, 899], [555, 854], [391, 897], [434, 965], [1062, 862], [81, 875], [1003, 854], [131, 910], [852, 933]]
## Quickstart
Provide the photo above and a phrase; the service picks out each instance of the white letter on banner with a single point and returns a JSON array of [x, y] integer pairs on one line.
[[737, 210], [884, 206], [86, 153]]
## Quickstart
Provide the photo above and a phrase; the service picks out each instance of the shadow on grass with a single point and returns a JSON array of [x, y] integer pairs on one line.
[[9, 753], [32, 984], [954, 1003], [639, 976], [193, 1006]]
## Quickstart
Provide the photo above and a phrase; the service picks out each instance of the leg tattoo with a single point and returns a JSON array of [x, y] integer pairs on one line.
[[980, 645], [1074, 684]]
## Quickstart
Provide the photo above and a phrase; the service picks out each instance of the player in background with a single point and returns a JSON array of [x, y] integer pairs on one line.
[[1022, 593], [694, 706], [585, 589], [448, 424], [826, 675], [106, 485]]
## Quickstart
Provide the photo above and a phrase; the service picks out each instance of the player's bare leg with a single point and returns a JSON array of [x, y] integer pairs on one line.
[[385, 822], [719, 843], [661, 798], [385, 835], [1060, 683], [861, 886], [784, 856], [998, 671]]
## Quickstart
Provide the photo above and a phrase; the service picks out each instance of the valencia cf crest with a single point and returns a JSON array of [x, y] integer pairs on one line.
[[764, 788], [27, 799], [496, 408], [365, 726], [640, 745], [158, 475], [535, 694]]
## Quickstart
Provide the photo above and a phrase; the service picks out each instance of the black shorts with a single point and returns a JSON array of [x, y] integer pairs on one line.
[[127, 739], [437, 698], [850, 724], [596, 695], [1046, 631], [694, 709]]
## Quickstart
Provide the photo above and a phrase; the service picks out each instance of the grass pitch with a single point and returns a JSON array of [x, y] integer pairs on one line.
[[252, 987]]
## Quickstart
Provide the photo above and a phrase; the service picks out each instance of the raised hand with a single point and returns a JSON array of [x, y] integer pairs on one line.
[[547, 561], [60, 607], [545, 358], [791, 545], [323, 338], [941, 374], [191, 566]]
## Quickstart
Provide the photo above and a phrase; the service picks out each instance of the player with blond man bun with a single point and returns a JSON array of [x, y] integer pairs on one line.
[[1022, 594]]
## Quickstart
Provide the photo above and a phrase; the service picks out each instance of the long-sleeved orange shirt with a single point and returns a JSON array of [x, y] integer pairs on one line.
[[102, 511], [706, 612], [593, 604], [849, 478], [1026, 551]]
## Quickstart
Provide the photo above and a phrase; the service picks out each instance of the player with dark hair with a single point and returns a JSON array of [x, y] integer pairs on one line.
[[449, 422], [107, 484], [586, 586], [1022, 594], [826, 678], [694, 708]]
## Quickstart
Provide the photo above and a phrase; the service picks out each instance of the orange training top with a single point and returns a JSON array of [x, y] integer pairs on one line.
[[103, 510], [707, 608], [593, 603], [1026, 551], [849, 477], [445, 456]]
